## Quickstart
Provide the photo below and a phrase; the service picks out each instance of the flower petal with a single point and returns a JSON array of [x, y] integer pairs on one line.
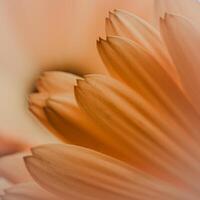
[[12, 168], [57, 82], [51, 84], [122, 23], [186, 8], [57, 109], [139, 69], [183, 41], [27, 191], [156, 138], [79, 173]]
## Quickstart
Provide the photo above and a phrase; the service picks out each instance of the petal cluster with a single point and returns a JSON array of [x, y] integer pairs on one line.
[[133, 134]]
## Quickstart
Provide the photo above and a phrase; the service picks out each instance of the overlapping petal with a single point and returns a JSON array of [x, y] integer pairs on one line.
[[125, 24], [13, 169], [27, 191], [79, 173], [187, 8], [159, 140], [183, 41]]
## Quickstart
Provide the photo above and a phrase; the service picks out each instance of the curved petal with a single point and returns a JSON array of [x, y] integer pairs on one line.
[[13, 169], [27, 191], [186, 8], [79, 173], [53, 82], [56, 108], [183, 41], [156, 139], [125, 24]]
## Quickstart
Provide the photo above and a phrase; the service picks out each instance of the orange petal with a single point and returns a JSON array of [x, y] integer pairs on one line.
[[56, 108], [183, 41], [186, 8], [147, 136], [122, 23], [79, 173], [57, 82]]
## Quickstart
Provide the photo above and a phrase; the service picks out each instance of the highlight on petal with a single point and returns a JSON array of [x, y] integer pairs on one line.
[[187, 8], [159, 139], [27, 191], [183, 41], [79, 173], [125, 24], [51, 84], [138, 68], [57, 82], [13, 169]]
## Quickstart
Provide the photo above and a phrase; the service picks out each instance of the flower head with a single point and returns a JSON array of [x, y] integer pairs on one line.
[[135, 133]]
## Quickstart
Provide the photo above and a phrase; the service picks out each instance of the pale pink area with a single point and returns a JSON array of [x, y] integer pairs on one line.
[[9, 145], [13, 169]]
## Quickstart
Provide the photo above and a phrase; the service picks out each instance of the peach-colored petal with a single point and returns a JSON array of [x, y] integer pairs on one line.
[[37, 102], [79, 173], [13, 169], [51, 84], [122, 23], [187, 8], [140, 70], [71, 123], [62, 116], [57, 82], [27, 191], [157, 140], [183, 41]]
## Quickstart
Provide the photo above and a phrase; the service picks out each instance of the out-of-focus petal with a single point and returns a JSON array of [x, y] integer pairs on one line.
[[79, 173], [64, 32], [183, 41], [187, 8], [4, 184], [9, 145], [13, 169], [27, 191], [122, 23], [57, 82], [159, 140]]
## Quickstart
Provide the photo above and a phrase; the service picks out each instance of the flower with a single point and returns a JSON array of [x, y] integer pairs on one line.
[[45, 35], [35, 36], [133, 135]]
